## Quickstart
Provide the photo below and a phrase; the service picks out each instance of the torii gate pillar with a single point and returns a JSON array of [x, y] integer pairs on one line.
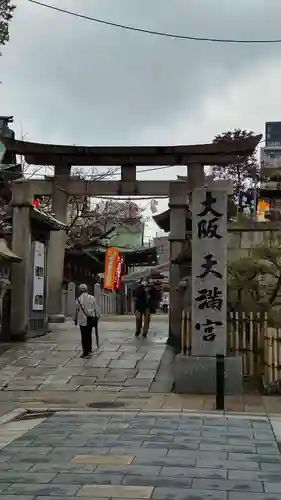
[[57, 245], [180, 197], [177, 204]]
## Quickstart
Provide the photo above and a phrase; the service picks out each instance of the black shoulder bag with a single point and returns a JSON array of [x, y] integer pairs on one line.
[[92, 321]]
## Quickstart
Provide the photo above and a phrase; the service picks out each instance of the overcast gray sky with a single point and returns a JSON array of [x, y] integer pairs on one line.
[[68, 80]]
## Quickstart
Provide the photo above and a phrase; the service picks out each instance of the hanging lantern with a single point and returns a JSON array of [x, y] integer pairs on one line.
[[36, 203]]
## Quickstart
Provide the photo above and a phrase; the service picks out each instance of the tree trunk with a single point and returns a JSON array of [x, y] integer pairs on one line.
[[275, 291]]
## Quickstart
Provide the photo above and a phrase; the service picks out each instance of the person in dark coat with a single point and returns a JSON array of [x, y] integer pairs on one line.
[[142, 310], [145, 295]]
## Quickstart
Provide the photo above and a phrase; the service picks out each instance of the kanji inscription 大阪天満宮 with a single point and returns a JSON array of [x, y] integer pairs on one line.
[[209, 250]]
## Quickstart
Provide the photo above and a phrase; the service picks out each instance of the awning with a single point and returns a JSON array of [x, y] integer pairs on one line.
[[6, 253], [47, 218], [144, 273]]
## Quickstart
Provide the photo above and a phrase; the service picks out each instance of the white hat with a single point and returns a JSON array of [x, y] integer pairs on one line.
[[83, 288]]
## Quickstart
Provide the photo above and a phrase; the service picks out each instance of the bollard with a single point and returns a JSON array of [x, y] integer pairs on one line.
[[220, 382]]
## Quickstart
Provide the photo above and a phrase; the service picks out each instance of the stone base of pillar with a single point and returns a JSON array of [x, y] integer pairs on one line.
[[174, 341], [18, 337], [56, 318], [197, 375]]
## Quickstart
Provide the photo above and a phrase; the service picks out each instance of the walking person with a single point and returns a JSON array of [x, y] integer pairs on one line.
[[142, 308], [86, 316]]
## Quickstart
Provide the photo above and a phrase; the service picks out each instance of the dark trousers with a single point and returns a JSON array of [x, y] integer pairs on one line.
[[86, 339], [142, 321]]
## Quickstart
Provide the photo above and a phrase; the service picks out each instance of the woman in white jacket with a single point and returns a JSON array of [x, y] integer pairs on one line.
[[86, 316]]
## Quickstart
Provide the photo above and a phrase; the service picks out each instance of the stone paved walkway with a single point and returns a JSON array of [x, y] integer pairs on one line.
[[139, 455], [134, 373], [51, 370], [122, 363]]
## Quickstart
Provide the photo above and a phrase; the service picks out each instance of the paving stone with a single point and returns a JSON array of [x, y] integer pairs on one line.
[[147, 452], [69, 451], [227, 464], [271, 467], [63, 468], [142, 431], [103, 459], [59, 498], [198, 454], [234, 432], [28, 450], [188, 494], [16, 497], [62, 478], [118, 363], [115, 444], [120, 492], [23, 442], [141, 425], [42, 489], [171, 445], [272, 487], [255, 475], [255, 442], [227, 485], [165, 482], [264, 436], [222, 429], [203, 440], [14, 466], [254, 496], [108, 427], [259, 458], [164, 461], [4, 486], [268, 450], [164, 438], [227, 448], [157, 430], [135, 382], [25, 477], [193, 472], [142, 420], [80, 380], [138, 470]]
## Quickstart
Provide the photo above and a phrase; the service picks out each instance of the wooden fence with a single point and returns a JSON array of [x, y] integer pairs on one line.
[[249, 336]]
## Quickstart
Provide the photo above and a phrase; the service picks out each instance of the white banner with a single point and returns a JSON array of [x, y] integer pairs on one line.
[[38, 276]]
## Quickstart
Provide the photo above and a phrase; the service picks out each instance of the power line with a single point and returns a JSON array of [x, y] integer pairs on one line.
[[152, 32]]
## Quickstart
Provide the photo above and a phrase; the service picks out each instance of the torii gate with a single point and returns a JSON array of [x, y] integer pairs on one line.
[[195, 157]]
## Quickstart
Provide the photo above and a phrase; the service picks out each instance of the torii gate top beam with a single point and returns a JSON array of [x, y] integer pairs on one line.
[[204, 154]]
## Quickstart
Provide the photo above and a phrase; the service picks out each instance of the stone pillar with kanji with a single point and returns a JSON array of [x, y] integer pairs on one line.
[[209, 272], [197, 373]]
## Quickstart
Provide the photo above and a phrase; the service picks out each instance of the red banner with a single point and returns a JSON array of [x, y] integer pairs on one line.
[[111, 264]]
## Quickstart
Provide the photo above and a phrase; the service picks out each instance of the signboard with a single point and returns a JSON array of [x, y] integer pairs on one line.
[[273, 134], [209, 276], [270, 159], [270, 186], [263, 206], [38, 276], [247, 201], [2, 151], [111, 263]]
